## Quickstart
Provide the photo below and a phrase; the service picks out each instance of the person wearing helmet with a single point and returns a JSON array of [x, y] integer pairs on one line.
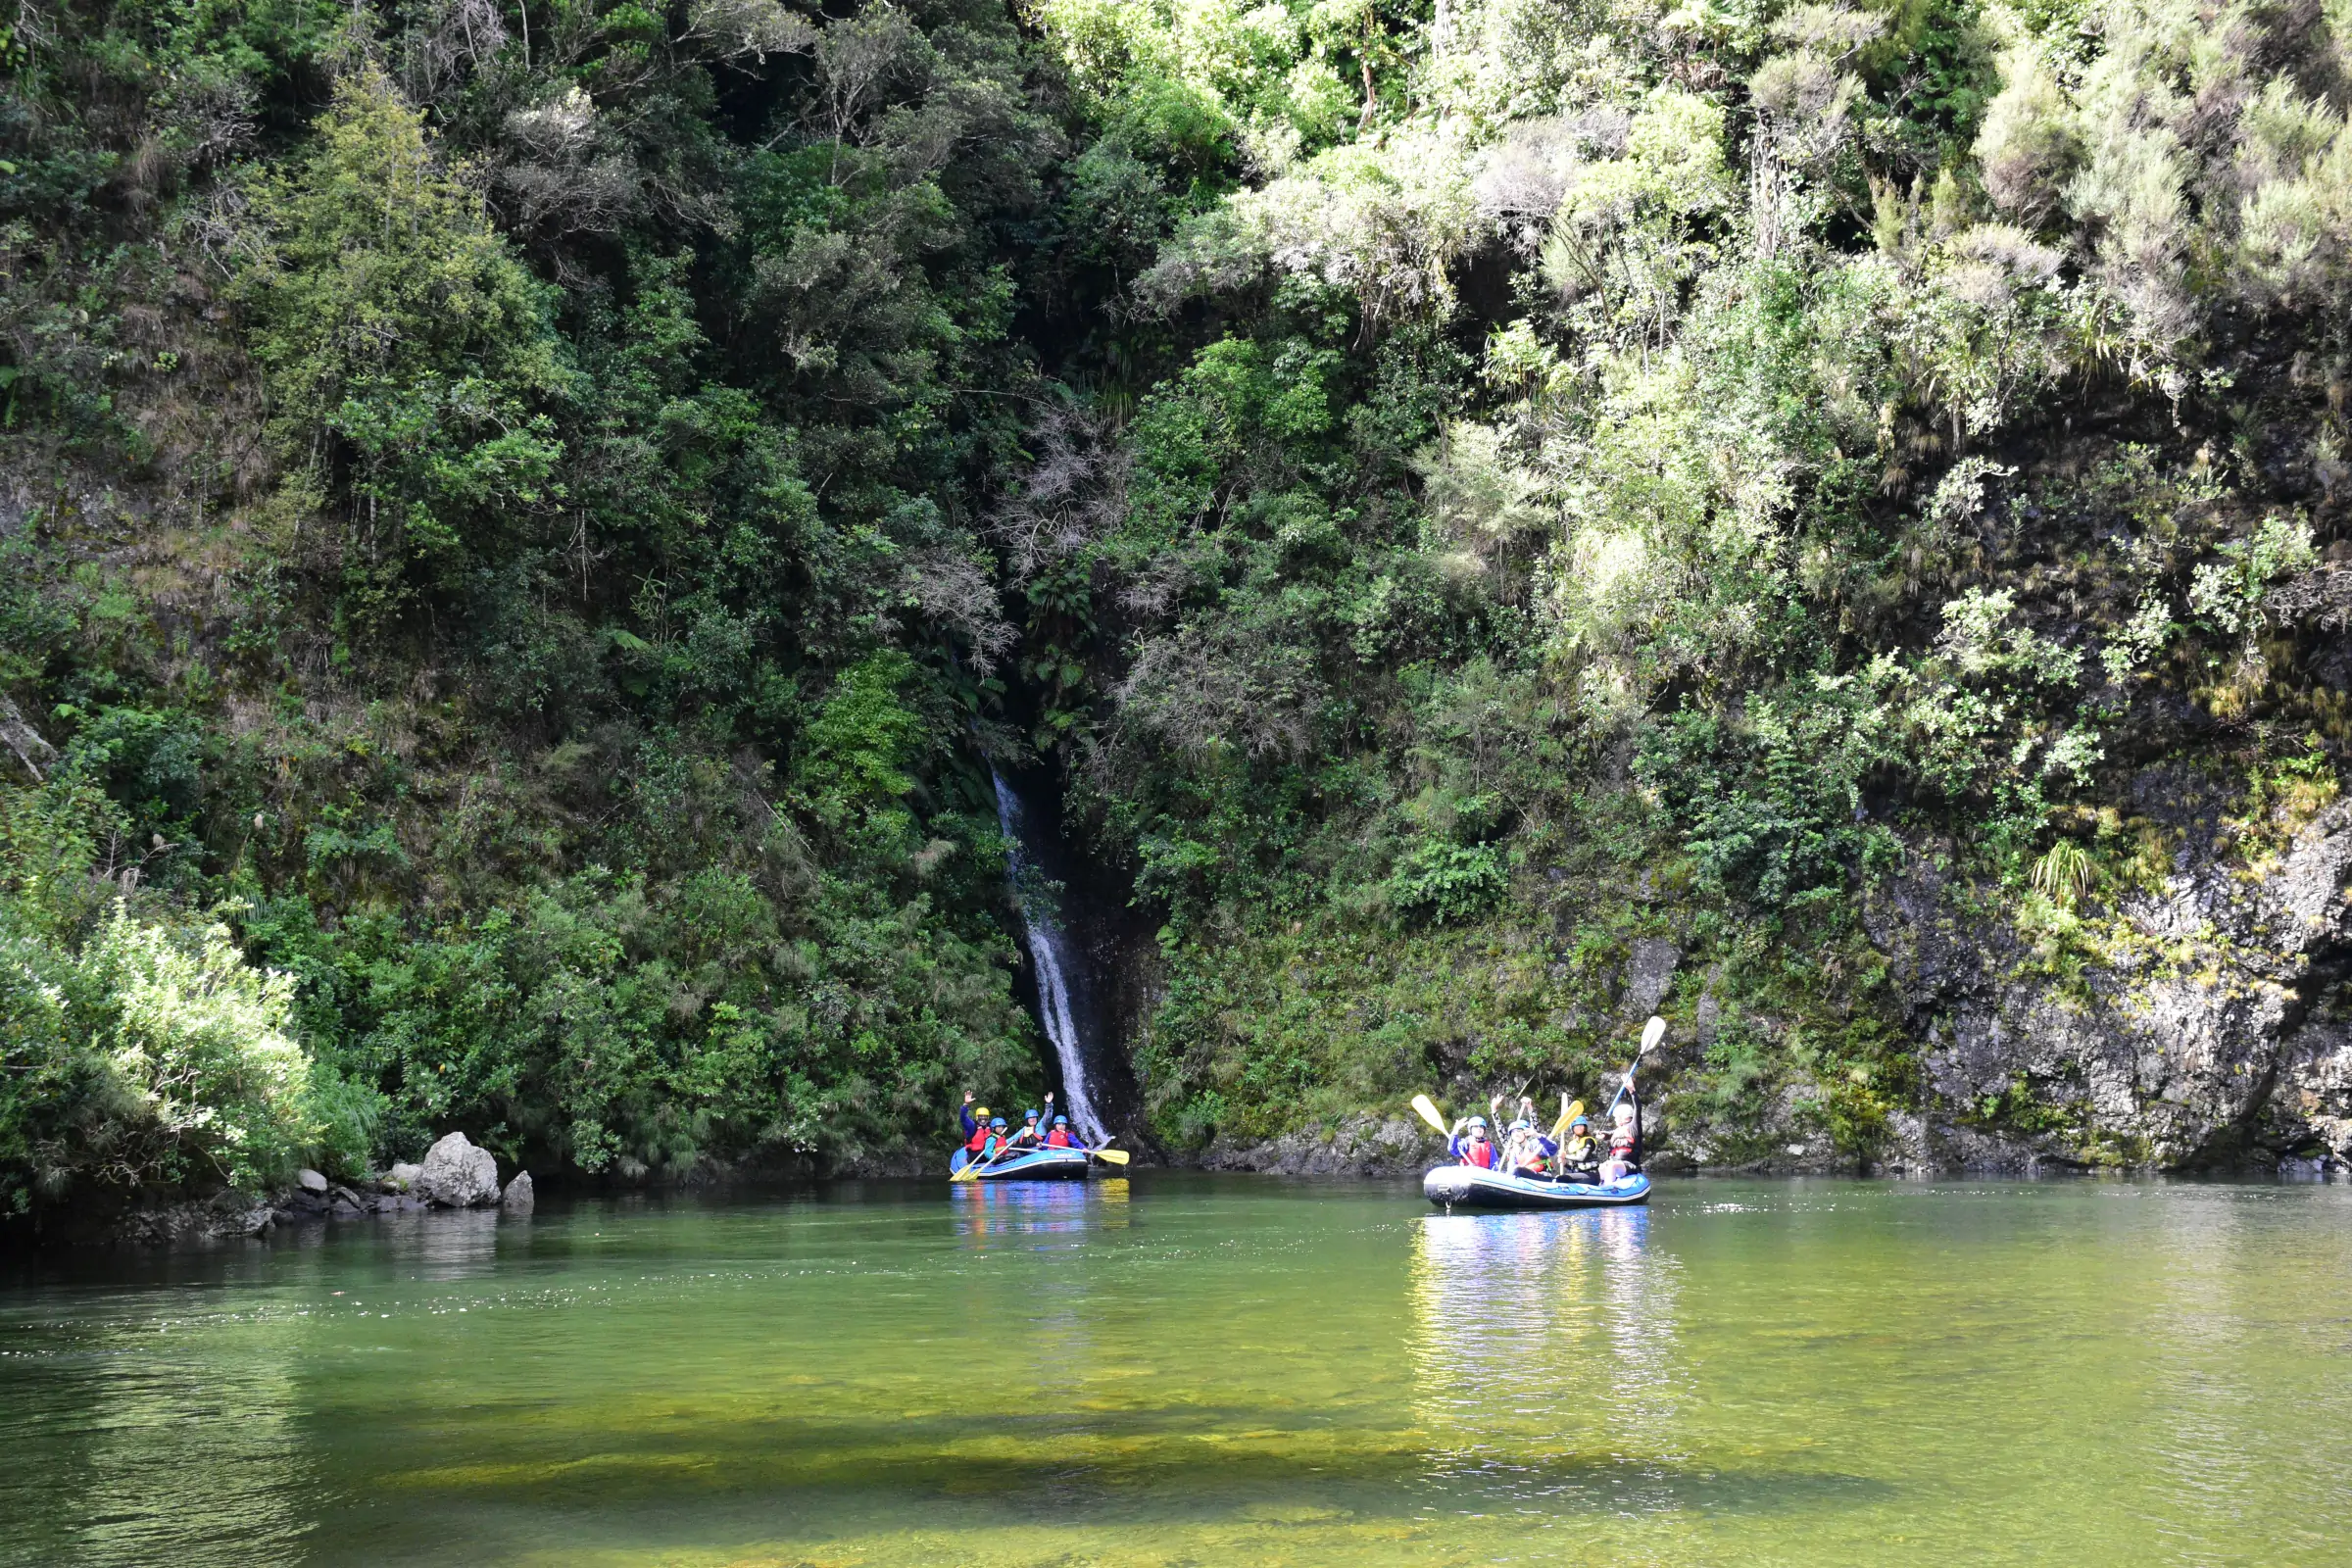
[[1525, 1149], [1060, 1137], [1027, 1135], [1468, 1144], [1625, 1140], [975, 1124], [1580, 1152]]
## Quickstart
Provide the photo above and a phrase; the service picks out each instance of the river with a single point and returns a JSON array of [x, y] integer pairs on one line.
[[1185, 1369]]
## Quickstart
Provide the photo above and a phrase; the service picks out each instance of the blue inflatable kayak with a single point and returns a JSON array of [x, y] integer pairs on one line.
[[1468, 1187], [1034, 1165]]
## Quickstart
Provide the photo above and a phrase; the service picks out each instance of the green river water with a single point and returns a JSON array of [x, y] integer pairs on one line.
[[1192, 1370]]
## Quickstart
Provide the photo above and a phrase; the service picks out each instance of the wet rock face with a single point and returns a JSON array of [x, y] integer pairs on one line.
[[1359, 1146], [456, 1174], [2206, 1042]]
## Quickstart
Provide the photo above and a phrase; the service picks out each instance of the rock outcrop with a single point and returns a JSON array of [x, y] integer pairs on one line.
[[2204, 1036], [458, 1174], [520, 1197], [1363, 1145]]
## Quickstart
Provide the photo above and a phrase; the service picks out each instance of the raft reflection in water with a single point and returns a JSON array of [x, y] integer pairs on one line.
[[1015, 1210], [1543, 1338]]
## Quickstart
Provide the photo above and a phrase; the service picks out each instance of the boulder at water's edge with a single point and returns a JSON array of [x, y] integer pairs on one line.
[[520, 1197], [458, 1174]]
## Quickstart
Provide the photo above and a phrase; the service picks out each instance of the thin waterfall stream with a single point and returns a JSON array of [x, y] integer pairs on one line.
[[1049, 955]]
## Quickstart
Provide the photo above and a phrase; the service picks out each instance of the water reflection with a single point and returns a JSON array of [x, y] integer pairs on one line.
[[455, 1246], [992, 1213], [2202, 1402], [1544, 1336], [110, 1405]]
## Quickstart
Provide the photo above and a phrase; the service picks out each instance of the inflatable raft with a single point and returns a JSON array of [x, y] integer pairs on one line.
[[1036, 1166], [1468, 1187]]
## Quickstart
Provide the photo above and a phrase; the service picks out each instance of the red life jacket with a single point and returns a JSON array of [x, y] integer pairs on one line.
[[1479, 1154], [979, 1138], [1058, 1137]]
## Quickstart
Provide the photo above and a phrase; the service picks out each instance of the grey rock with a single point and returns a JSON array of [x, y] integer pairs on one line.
[[458, 1174], [1358, 1145], [311, 1180], [520, 1197], [2221, 1055], [25, 742], [1648, 974], [1707, 1017], [220, 1217], [402, 1177]]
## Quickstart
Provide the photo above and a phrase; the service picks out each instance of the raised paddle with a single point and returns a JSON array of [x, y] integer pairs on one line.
[[1570, 1110], [1651, 1033], [1429, 1113]]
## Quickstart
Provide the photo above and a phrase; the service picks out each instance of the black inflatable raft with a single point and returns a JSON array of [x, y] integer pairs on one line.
[[1468, 1187]]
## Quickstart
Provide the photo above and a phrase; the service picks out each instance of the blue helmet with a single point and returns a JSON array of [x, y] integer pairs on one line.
[[1061, 1121], [1028, 1116], [998, 1123], [1478, 1124]]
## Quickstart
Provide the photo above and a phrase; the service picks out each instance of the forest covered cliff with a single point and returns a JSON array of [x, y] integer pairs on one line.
[[523, 528]]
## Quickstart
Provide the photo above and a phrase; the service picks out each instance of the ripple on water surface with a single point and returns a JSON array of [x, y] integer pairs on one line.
[[1194, 1370]]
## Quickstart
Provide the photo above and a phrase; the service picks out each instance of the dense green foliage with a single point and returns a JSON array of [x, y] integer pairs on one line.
[[535, 518]]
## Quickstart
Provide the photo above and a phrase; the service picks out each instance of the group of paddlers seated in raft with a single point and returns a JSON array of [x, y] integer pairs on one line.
[[985, 1137], [1581, 1154]]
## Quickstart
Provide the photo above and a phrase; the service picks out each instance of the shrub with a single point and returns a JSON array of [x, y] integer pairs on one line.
[[1449, 884]]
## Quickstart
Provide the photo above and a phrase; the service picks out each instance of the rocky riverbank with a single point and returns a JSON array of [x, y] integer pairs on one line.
[[2203, 1025], [455, 1174]]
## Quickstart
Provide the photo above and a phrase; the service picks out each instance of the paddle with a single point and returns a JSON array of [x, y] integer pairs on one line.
[[1117, 1156], [1651, 1033], [973, 1167], [1429, 1113]]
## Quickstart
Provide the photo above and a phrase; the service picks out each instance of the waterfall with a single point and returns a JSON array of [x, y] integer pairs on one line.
[[1049, 956]]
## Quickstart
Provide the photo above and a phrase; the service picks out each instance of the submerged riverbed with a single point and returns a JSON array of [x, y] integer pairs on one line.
[[1185, 1369]]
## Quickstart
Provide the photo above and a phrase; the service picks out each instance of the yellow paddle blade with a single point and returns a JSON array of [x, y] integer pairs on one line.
[[1117, 1157], [969, 1173], [1429, 1112]]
